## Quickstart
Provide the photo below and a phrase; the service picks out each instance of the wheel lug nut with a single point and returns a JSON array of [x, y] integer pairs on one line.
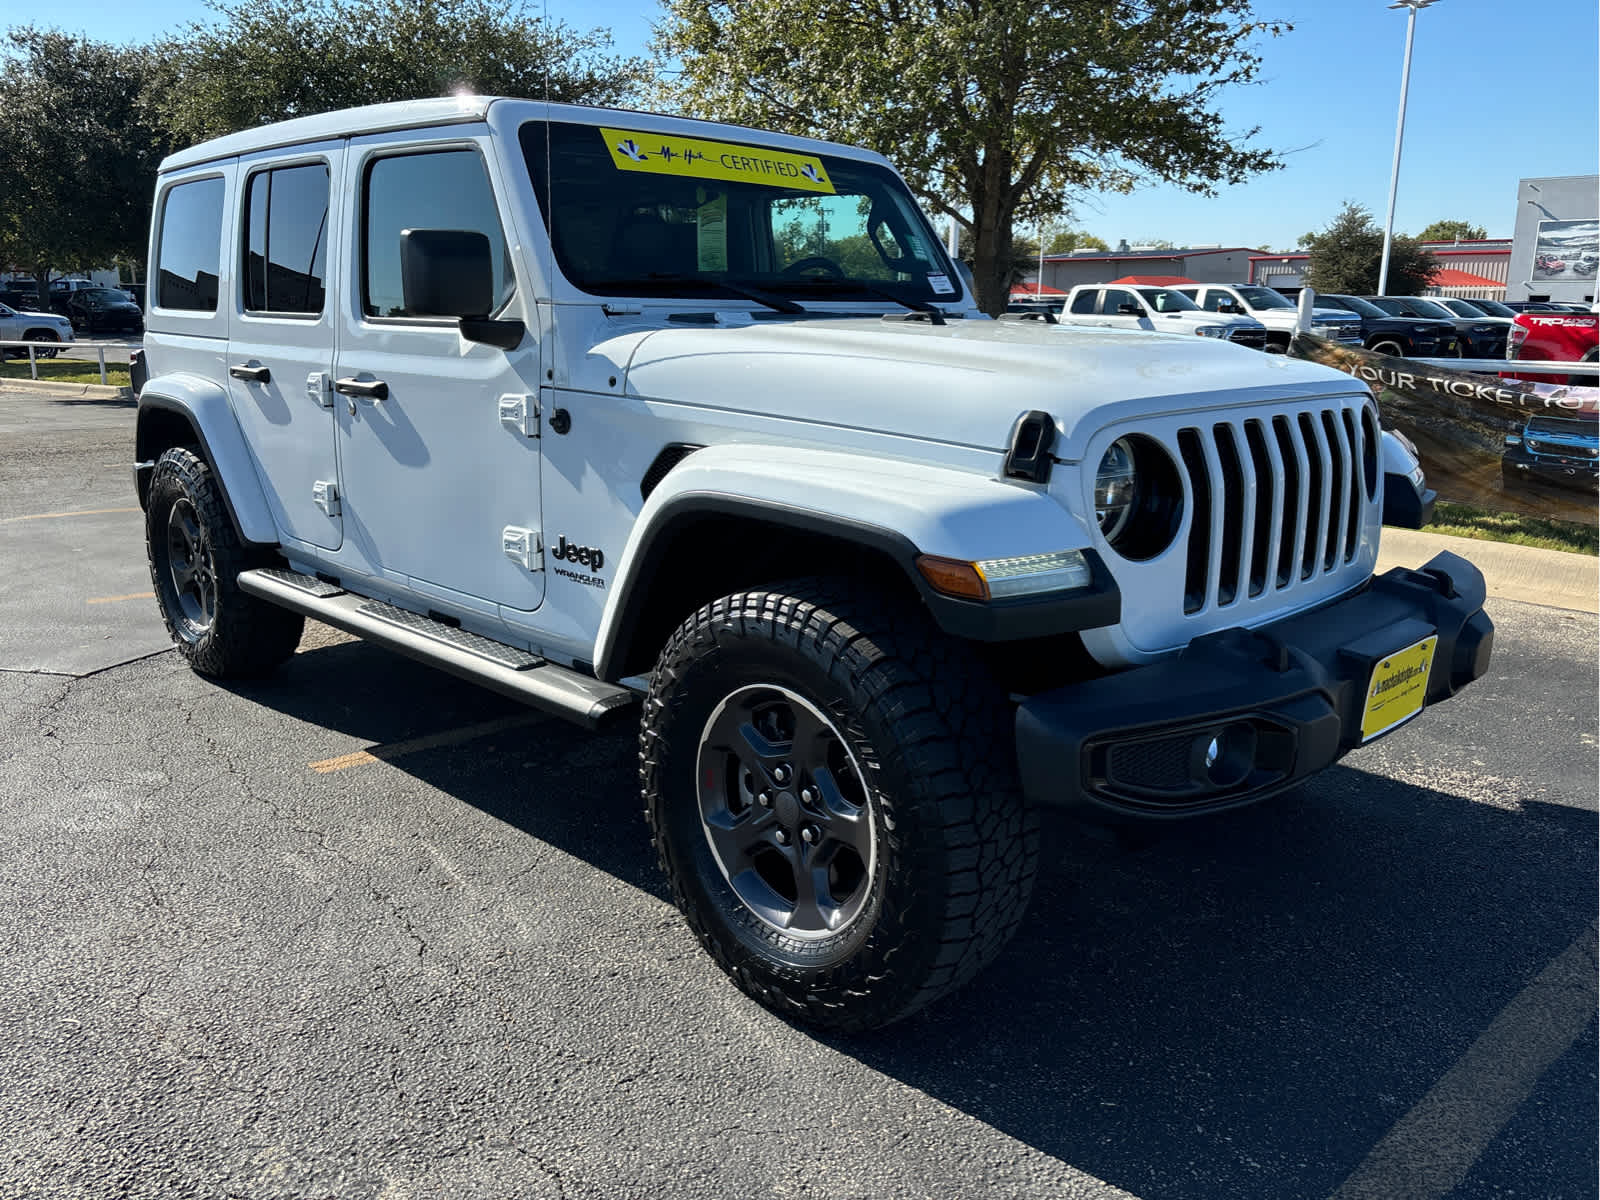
[[764, 799], [808, 796], [811, 835], [780, 773], [782, 837]]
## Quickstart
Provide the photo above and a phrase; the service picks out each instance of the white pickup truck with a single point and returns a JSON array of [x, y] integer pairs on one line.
[[1276, 311], [632, 417], [1155, 309]]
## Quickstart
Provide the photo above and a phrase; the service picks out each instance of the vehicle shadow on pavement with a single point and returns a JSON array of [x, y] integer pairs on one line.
[[1256, 1000], [1252, 1001]]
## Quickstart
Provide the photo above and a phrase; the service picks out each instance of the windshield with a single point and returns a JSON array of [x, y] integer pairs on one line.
[[1462, 309], [101, 295], [1165, 301], [1494, 308], [1263, 297], [1354, 303], [1427, 308], [671, 215]]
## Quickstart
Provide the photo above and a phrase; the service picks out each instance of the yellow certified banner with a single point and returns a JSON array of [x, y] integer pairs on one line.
[[692, 158]]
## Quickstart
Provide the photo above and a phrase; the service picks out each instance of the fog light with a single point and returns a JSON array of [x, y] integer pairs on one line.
[[1224, 758]]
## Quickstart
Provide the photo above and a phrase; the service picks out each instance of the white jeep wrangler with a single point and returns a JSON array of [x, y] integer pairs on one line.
[[615, 412]]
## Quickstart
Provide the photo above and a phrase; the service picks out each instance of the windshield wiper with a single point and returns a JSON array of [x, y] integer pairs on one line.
[[934, 312], [735, 289]]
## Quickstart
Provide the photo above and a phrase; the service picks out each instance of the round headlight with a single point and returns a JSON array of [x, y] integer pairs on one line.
[[1116, 487], [1138, 497]]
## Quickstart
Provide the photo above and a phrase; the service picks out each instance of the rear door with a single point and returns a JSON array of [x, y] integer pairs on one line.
[[280, 347]]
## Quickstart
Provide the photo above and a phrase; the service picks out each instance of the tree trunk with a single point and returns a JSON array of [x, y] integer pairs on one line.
[[991, 234], [41, 283]]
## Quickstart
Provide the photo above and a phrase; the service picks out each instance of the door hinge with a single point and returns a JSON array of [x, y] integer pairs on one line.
[[521, 413], [523, 547], [325, 494], [319, 386]]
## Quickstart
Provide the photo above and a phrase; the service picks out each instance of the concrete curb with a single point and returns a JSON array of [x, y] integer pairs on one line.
[[89, 391], [1554, 578]]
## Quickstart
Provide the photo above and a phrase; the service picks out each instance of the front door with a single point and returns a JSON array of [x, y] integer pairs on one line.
[[438, 442], [280, 344]]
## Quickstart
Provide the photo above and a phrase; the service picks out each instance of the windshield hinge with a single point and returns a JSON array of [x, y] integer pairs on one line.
[[621, 310], [933, 316]]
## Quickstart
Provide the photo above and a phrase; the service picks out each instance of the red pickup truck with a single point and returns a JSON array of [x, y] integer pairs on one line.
[[1555, 337]]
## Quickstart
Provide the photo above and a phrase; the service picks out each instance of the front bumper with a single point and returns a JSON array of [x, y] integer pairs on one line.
[[1241, 715]]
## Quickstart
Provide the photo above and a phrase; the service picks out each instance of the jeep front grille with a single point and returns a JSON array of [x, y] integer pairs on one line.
[[1276, 501]]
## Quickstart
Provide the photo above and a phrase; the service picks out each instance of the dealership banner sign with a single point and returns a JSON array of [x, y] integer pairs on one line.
[[1509, 445], [1566, 250]]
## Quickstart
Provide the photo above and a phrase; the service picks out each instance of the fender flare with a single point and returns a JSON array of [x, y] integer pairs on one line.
[[896, 509], [204, 405]]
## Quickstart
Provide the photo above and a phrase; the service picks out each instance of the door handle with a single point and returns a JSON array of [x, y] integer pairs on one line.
[[251, 374], [375, 389]]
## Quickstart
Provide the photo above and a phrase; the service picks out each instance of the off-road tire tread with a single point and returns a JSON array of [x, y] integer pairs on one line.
[[965, 828], [249, 637]]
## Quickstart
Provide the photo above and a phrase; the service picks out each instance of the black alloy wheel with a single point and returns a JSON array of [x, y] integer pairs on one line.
[[191, 568], [785, 812]]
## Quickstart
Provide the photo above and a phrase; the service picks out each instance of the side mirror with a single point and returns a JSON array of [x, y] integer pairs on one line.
[[1513, 439], [1232, 308], [446, 273], [1130, 310], [450, 273]]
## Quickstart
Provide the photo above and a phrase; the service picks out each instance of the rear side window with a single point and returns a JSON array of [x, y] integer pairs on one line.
[[190, 247], [442, 189], [1083, 302], [286, 239]]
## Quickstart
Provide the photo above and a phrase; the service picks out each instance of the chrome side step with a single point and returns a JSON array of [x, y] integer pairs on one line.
[[506, 669]]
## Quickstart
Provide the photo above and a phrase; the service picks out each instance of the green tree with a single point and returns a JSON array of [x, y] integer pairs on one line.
[[1452, 231], [1069, 240], [993, 109], [78, 153], [1345, 257], [1022, 259], [267, 60]]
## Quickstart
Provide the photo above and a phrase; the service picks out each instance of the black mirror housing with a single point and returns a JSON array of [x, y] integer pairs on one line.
[[446, 273]]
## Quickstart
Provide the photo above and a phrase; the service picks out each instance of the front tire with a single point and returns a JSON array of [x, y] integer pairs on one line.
[[195, 562], [1394, 349], [833, 794], [41, 335]]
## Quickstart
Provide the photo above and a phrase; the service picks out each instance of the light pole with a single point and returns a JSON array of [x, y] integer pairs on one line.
[[1399, 136]]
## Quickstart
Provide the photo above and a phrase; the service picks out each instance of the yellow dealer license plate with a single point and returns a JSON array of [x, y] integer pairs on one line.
[[1399, 686]]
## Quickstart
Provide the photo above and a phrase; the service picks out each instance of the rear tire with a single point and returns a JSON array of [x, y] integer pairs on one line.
[[1394, 349], [893, 853], [195, 562]]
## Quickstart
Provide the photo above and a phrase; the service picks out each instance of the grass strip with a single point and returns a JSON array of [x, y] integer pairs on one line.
[[66, 370], [1463, 520]]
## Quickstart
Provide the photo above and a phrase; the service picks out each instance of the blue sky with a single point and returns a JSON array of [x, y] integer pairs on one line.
[[1499, 91]]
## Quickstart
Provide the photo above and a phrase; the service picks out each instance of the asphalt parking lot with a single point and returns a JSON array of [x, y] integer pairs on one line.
[[364, 931]]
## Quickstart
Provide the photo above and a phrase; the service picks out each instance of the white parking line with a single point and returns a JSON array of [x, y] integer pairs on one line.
[[1431, 1149]]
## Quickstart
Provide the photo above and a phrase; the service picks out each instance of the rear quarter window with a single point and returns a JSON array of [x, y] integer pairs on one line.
[[189, 247]]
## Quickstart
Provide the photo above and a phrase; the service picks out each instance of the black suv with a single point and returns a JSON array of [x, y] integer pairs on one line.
[[101, 310], [1480, 337], [1403, 337]]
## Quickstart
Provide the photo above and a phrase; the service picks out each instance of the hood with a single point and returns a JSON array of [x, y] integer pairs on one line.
[[963, 383], [1336, 316]]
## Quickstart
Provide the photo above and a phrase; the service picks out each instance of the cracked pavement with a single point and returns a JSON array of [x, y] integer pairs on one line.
[[455, 973]]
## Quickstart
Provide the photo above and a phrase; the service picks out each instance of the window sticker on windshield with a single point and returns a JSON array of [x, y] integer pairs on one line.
[[941, 285], [694, 158], [711, 234]]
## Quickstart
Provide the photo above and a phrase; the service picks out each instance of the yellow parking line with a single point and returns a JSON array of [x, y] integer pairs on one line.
[[119, 599], [432, 741], [87, 512]]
